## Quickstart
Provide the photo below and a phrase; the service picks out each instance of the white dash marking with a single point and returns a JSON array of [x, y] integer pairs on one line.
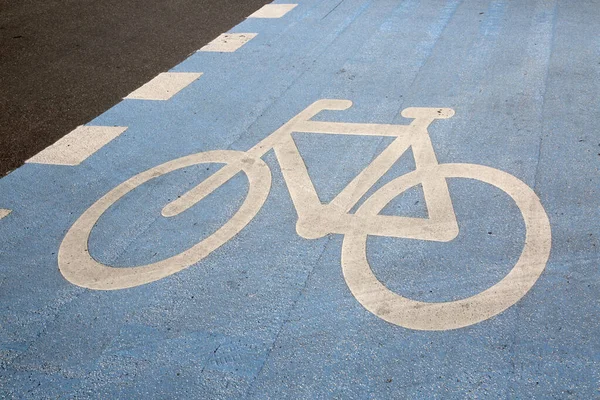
[[4, 212], [228, 42], [273, 11], [164, 86], [78, 145]]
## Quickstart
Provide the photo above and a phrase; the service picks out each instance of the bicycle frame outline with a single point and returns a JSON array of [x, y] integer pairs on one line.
[[316, 219]]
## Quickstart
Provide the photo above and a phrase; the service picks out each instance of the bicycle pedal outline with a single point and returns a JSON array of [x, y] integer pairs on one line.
[[316, 220]]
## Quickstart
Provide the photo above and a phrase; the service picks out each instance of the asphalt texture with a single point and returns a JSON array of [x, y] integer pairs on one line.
[[272, 314], [63, 62]]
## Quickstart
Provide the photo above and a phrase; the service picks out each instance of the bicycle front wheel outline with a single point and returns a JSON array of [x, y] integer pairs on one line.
[[80, 268], [438, 316]]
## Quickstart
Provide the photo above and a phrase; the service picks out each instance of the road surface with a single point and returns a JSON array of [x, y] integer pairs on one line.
[[333, 199]]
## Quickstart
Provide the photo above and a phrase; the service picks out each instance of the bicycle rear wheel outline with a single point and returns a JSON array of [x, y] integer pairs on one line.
[[80, 268], [412, 314]]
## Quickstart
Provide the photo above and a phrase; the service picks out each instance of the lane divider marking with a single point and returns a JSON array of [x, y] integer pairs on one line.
[[228, 42], [77, 146], [164, 86], [83, 141], [273, 11], [4, 212]]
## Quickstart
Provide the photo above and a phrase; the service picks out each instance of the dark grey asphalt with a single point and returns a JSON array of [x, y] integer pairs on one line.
[[63, 62]]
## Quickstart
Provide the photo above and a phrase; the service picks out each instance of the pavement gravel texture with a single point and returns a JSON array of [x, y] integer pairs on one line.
[[63, 62], [269, 314]]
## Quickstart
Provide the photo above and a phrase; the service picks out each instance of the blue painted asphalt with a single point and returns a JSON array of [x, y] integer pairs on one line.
[[269, 315]]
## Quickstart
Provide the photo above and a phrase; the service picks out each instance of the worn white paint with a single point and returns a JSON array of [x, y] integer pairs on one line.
[[4, 212], [78, 266], [78, 145], [228, 42], [164, 86], [317, 220], [273, 11], [399, 310]]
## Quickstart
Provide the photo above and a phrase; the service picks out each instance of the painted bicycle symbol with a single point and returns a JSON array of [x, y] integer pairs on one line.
[[316, 220]]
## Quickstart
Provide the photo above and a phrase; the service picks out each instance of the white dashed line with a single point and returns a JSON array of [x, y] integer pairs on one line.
[[273, 11], [84, 141], [164, 86], [228, 42], [4, 212], [78, 145]]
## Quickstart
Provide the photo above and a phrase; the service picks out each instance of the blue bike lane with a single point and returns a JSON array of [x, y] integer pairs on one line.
[[269, 313]]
